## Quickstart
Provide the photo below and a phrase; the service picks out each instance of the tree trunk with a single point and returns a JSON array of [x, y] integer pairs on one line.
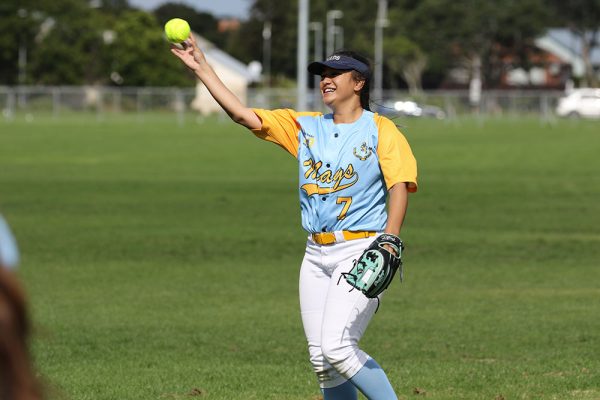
[[586, 48], [412, 73], [475, 84]]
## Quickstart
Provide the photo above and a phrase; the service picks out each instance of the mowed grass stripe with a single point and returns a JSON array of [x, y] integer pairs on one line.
[[161, 260]]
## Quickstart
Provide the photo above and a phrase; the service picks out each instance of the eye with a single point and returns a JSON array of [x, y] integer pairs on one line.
[[330, 74]]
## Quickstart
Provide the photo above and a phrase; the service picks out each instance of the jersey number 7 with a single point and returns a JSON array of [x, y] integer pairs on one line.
[[346, 201]]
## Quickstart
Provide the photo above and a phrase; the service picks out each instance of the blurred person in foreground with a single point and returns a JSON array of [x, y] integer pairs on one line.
[[17, 379]]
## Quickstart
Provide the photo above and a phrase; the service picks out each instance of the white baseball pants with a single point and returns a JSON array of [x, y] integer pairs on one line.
[[334, 317]]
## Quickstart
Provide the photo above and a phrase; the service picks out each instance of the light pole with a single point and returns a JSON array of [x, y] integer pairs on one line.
[[318, 50], [266, 34], [317, 27], [332, 29], [22, 61], [29, 18], [302, 55], [380, 23], [338, 34]]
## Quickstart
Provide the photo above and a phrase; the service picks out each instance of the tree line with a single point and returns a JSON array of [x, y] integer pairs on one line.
[[109, 42]]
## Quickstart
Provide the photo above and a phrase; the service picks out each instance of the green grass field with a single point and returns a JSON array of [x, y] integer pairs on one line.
[[161, 261]]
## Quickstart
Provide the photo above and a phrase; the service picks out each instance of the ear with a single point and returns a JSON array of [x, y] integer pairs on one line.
[[358, 85]]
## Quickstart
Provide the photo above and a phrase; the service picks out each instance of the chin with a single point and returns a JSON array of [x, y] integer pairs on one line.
[[328, 102]]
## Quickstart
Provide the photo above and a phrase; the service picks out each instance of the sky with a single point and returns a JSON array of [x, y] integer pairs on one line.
[[219, 8]]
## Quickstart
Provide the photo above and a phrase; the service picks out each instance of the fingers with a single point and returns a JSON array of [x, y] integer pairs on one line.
[[177, 51], [188, 52], [189, 42], [192, 41], [391, 250], [186, 47], [176, 47]]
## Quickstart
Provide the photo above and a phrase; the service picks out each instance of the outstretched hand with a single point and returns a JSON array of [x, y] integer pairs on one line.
[[194, 59], [190, 54]]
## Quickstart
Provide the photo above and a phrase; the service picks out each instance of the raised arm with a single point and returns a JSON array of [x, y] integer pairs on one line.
[[194, 59]]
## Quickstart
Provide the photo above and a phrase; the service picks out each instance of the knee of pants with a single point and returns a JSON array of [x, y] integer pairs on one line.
[[318, 361], [326, 374], [336, 353]]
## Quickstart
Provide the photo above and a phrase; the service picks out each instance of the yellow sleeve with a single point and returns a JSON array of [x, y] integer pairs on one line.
[[279, 127], [396, 159]]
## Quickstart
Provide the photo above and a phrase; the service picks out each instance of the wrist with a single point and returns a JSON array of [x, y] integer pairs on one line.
[[392, 231], [200, 68]]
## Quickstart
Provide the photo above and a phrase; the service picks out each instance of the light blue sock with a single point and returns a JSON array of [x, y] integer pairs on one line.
[[345, 391], [373, 383]]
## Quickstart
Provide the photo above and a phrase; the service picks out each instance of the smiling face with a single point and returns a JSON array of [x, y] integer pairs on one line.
[[339, 87]]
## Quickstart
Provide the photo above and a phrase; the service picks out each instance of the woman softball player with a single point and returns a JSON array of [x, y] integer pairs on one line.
[[350, 162]]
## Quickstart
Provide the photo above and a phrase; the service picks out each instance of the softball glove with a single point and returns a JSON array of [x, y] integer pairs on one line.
[[374, 270]]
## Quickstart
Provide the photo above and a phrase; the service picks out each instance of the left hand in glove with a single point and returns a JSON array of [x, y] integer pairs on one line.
[[374, 270]]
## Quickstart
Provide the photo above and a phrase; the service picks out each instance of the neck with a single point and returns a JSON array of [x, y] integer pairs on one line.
[[347, 115]]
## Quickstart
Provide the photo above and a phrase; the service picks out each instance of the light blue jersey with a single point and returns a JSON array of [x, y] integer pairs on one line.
[[340, 182], [345, 170]]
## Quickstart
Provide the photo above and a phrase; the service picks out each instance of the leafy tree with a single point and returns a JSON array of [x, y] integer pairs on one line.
[[473, 33], [66, 53], [140, 53], [357, 24], [284, 23], [405, 57], [74, 44], [19, 23], [112, 7]]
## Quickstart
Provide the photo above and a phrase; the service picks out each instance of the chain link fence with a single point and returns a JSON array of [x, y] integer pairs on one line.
[[61, 101]]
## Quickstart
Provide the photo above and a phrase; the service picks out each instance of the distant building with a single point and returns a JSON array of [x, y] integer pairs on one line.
[[555, 60], [552, 62], [567, 47], [546, 71], [228, 24], [232, 72]]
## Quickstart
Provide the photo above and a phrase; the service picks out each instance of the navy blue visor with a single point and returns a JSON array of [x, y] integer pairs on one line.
[[338, 61]]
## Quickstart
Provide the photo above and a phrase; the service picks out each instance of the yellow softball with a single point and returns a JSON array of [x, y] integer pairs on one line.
[[177, 30]]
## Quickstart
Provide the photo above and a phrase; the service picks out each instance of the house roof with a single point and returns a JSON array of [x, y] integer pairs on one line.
[[212, 52], [568, 47]]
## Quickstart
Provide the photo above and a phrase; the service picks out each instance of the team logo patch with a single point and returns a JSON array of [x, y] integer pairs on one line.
[[308, 139], [364, 152]]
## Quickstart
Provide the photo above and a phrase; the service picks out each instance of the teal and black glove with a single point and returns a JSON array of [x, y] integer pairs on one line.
[[374, 270]]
